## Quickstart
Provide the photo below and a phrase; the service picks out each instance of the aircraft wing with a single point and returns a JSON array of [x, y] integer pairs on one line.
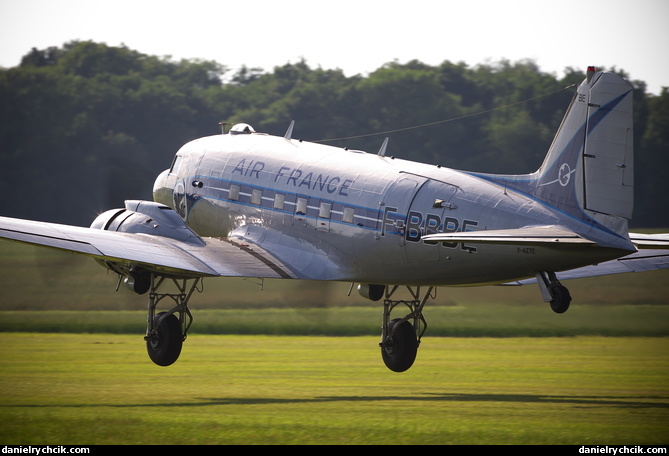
[[653, 254], [198, 257], [535, 235]]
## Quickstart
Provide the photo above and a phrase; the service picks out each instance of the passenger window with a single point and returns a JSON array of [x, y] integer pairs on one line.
[[301, 206], [278, 201], [348, 215], [324, 211], [234, 192], [256, 196]]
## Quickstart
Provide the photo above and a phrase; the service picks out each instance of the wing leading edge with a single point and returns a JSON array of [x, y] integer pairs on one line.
[[195, 258]]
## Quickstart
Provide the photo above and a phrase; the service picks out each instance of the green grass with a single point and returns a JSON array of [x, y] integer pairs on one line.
[[101, 389], [469, 320]]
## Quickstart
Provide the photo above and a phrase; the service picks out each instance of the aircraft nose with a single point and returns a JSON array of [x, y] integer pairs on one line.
[[161, 189]]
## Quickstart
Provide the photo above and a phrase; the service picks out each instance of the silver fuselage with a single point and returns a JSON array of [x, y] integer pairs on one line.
[[337, 214]]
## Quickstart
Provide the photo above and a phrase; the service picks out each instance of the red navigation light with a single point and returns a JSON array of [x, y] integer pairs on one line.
[[590, 73]]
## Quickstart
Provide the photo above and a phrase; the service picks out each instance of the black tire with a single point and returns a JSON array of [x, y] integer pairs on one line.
[[376, 292], [399, 351], [165, 347], [142, 283], [561, 299]]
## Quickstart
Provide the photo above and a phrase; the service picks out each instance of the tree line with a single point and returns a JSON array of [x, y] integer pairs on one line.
[[85, 126]]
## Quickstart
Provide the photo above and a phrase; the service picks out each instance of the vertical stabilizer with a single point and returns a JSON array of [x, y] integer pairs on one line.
[[589, 166], [588, 171]]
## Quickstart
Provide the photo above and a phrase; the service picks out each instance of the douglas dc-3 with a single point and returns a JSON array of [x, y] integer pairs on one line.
[[248, 204]]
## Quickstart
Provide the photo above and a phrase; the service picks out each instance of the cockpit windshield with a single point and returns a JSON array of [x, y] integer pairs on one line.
[[175, 164]]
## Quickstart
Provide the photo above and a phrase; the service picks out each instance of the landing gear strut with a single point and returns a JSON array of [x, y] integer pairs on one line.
[[401, 336], [165, 332], [553, 291]]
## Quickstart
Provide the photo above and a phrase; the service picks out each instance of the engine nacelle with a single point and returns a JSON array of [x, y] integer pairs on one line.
[[146, 217], [371, 291]]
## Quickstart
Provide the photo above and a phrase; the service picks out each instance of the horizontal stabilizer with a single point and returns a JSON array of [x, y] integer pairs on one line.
[[534, 235], [650, 241]]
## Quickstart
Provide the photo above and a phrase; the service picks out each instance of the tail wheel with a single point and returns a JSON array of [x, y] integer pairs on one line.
[[561, 299], [400, 348], [164, 345]]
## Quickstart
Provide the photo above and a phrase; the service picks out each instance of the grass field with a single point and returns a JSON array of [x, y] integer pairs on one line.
[[101, 389], [261, 365], [466, 320]]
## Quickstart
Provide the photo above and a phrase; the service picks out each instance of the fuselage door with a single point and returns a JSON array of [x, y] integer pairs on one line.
[[431, 212], [394, 213]]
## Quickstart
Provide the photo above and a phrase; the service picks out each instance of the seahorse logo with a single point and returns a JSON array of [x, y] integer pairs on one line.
[[564, 174]]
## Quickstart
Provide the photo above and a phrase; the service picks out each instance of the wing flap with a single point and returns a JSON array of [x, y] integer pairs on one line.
[[535, 235]]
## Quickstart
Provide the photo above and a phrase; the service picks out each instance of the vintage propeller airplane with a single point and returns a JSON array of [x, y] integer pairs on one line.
[[247, 204]]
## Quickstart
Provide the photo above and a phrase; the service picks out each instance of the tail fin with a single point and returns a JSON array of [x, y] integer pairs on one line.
[[588, 172]]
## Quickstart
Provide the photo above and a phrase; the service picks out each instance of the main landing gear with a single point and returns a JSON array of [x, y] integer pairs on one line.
[[400, 337], [167, 330], [553, 291]]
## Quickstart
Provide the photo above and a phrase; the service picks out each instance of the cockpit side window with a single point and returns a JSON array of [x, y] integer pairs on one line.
[[175, 164]]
